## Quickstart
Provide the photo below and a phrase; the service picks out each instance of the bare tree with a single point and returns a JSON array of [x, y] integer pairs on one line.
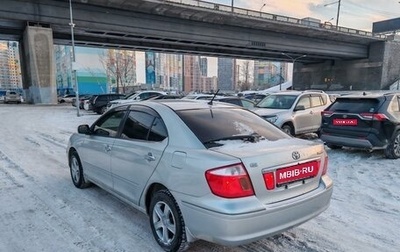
[[245, 76], [120, 65]]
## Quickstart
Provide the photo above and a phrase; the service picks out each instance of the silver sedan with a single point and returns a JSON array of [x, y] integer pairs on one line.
[[200, 170]]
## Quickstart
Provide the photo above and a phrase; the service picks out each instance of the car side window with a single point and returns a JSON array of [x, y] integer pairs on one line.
[[316, 101], [109, 125], [398, 104], [305, 101], [143, 126]]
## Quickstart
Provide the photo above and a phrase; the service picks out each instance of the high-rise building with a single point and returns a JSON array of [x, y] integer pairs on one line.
[[63, 55], [168, 72], [209, 84], [227, 74], [10, 69], [268, 74], [192, 74], [203, 66]]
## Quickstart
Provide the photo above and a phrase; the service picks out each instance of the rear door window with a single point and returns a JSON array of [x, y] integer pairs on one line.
[[140, 125]]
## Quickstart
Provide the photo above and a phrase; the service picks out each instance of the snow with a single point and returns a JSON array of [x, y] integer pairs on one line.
[[41, 210]]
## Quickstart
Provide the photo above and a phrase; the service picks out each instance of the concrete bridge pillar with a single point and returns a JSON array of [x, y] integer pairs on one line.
[[38, 66], [377, 72]]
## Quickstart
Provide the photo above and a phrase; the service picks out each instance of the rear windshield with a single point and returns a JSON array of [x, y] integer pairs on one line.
[[355, 105], [223, 123]]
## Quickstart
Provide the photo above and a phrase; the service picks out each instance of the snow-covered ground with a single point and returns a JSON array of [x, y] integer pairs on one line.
[[41, 210]]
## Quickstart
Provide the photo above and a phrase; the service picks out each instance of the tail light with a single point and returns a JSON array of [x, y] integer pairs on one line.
[[325, 168], [374, 117], [230, 181], [326, 113], [269, 179]]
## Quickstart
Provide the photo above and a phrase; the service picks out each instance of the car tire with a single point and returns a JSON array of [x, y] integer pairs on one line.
[[334, 147], [288, 129], [76, 171], [166, 222], [392, 151]]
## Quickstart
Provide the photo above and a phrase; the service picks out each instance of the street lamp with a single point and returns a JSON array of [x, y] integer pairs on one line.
[[262, 6], [293, 61], [73, 65], [338, 11]]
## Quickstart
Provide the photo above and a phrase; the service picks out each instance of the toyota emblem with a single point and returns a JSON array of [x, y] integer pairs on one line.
[[295, 155]]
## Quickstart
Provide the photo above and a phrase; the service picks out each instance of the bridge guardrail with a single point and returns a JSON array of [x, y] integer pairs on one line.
[[274, 17]]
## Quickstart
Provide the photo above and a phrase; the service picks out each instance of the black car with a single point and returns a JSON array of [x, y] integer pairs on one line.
[[365, 121], [99, 103]]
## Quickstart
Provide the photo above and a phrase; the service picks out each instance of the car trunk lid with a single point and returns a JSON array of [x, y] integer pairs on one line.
[[295, 165]]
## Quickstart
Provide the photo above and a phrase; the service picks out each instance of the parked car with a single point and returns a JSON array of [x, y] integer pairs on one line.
[[165, 96], [87, 104], [82, 99], [367, 121], [239, 101], [99, 103], [66, 98], [255, 97], [295, 112], [199, 96], [214, 172], [12, 96], [136, 96]]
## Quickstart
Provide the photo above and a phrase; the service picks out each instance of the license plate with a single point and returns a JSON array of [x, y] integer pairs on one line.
[[297, 172], [345, 122]]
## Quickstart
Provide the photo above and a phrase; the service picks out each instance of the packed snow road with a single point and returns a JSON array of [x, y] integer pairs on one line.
[[41, 210]]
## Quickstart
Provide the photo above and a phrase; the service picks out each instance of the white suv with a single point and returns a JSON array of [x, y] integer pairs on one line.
[[295, 112]]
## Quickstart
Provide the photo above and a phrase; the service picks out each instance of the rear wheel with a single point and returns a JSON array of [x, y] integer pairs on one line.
[[288, 129], [393, 149], [77, 171], [334, 147], [166, 222]]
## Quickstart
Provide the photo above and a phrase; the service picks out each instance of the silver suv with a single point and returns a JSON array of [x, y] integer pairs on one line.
[[295, 112]]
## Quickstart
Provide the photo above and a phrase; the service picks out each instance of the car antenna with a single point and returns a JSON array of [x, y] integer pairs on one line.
[[212, 99]]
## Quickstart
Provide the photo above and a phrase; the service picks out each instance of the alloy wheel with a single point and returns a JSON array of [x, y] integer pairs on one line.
[[164, 222]]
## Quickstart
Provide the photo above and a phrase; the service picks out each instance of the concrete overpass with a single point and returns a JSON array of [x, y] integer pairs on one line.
[[195, 27]]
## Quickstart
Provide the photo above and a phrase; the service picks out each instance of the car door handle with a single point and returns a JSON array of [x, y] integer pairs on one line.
[[107, 148], [149, 157]]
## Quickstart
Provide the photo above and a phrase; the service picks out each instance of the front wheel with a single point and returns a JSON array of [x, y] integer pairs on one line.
[[166, 222], [77, 171], [288, 129], [393, 149]]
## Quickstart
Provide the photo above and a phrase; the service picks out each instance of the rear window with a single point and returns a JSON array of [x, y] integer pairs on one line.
[[214, 124], [355, 105]]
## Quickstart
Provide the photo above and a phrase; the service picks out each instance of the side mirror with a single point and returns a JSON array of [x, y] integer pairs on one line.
[[299, 107], [84, 129]]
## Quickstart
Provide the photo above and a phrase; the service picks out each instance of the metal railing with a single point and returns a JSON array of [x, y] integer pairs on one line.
[[277, 18]]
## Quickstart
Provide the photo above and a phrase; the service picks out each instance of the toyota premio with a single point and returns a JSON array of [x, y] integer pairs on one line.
[[202, 170]]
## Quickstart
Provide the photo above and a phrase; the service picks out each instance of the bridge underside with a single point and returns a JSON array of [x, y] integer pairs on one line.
[[377, 72]]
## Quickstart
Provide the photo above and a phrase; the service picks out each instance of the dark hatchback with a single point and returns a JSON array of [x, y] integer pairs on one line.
[[365, 121]]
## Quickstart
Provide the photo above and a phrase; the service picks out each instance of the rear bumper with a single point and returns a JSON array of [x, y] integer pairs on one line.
[[369, 143], [242, 228]]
